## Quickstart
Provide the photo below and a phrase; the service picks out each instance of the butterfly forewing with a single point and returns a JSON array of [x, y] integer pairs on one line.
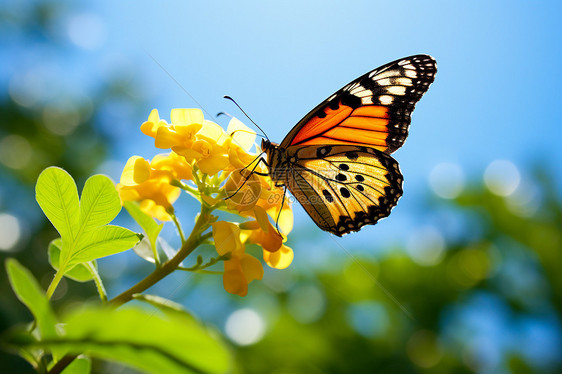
[[343, 187], [374, 110]]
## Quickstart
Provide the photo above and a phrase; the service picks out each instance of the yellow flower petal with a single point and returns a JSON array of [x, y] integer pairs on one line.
[[154, 116], [241, 134], [156, 211], [251, 267], [244, 193], [280, 259], [166, 138], [227, 238], [151, 125], [234, 282], [203, 147], [173, 163], [127, 193], [285, 221], [186, 116], [261, 217], [136, 171], [212, 165], [239, 158], [213, 133], [249, 225], [186, 133], [189, 154], [269, 240]]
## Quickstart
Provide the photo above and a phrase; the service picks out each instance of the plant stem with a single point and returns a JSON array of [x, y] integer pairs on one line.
[[98, 282], [178, 227], [169, 266], [55, 282]]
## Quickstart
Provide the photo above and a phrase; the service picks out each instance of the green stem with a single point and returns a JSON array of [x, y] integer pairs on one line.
[[55, 282], [178, 226], [201, 270], [98, 282], [192, 242]]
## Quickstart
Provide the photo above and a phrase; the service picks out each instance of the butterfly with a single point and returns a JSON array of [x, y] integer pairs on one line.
[[336, 160]]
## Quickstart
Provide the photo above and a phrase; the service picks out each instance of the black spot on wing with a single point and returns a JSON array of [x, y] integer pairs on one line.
[[323, 151], [328, 196], [352, 155]]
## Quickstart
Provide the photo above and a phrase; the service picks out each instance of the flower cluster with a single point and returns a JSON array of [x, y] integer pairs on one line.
[[215, 166]]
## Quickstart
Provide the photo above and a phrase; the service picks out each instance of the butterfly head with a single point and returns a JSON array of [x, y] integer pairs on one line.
[[268, 146]]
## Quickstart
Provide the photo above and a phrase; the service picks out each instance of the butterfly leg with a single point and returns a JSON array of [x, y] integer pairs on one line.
[[280, 210], [247, 177]]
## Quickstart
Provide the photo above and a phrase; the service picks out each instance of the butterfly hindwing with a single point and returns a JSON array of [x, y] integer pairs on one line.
[[343, 187], [373, 110]]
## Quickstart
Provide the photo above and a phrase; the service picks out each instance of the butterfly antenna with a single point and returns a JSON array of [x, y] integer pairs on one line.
[[239, 130], [242, 110]]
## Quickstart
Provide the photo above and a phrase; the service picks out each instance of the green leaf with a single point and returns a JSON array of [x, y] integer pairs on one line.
[[154, 343], [99, 203], [57, 196], [81, 224], [165, 305], [20, 340], [32, 296], [80, 272], [148, 224], [104, 241]]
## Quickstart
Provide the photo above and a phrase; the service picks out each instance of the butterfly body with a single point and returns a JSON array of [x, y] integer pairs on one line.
[[336, 161]]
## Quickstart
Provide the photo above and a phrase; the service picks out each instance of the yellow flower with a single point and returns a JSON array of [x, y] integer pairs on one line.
[[280, 259], [181, 132], [149, 183], [211, 146], [191, 136], [227, 176], [241, 268], [243, 190], [261, 232]]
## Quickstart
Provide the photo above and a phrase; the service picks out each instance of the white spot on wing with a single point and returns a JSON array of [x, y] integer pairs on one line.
[[356, 90], [384, 82], [386, 99], [396, 90], [411, 73], [386, 74], [403, 81], [364, 93]]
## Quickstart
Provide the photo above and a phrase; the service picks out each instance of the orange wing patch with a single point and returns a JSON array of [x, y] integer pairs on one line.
[[317, 125], [366, 125]]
